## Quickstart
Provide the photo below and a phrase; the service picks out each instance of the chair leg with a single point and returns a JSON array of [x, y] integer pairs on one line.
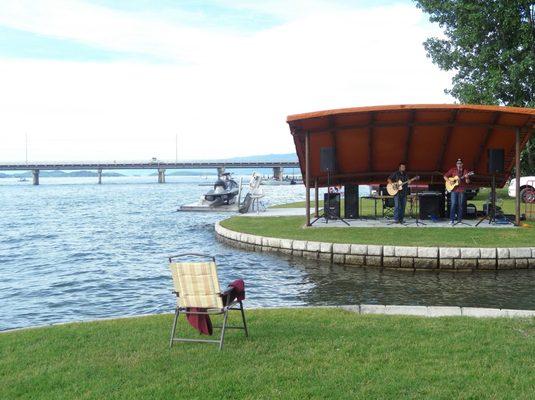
[[223, 330], [243, 318], [177, 312]]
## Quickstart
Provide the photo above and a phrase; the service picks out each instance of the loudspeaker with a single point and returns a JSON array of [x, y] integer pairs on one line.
[[440, 188], [331, 205], [429, 205], [327, 159], [351, 201], [495, 161]]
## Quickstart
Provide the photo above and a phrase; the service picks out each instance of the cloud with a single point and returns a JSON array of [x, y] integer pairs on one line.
[[224, 93]]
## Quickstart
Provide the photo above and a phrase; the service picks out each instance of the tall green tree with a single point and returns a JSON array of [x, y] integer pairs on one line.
[[490, 45]]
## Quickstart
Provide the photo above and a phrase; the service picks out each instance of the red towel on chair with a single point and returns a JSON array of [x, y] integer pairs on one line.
[[201, 322], [239, 289]]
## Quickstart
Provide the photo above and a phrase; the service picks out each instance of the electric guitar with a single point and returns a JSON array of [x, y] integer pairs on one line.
[[394, 187], [453, 182]]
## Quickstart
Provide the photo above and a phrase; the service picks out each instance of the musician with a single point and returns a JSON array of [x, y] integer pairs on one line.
[[400, 199], [457, 194]]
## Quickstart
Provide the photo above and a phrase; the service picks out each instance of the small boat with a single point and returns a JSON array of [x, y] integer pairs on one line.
[[224, 192], [23, 179]]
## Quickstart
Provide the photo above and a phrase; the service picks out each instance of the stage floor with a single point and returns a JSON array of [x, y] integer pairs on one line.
[[374, 222], [408, 223]]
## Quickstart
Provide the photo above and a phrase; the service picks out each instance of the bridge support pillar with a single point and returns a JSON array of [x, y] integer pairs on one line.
[[161, 175], [278, 173], [220, 171], [35, 173], [99, 172]]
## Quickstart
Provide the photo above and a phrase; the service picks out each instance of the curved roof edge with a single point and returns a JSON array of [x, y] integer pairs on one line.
[[403, 107]]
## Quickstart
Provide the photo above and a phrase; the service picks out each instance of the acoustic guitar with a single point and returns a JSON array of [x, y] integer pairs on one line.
[[394, 187], [453, 182]]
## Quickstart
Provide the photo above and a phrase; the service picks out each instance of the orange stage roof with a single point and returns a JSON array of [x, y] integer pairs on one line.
[[370, 142]]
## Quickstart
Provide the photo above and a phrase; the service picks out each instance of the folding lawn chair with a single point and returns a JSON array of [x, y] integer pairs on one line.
[[197, 290], [388, 203]]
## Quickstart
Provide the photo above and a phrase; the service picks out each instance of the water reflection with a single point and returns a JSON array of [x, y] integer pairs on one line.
[[335, 284], [73, 250]]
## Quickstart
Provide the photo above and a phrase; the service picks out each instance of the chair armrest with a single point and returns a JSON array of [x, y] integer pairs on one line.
[[225, 296]]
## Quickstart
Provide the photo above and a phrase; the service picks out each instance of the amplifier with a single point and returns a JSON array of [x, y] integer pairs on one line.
[[441, 188], [429, 205], [331, 205]]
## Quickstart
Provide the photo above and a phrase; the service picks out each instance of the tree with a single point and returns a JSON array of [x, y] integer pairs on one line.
[[490, 45]]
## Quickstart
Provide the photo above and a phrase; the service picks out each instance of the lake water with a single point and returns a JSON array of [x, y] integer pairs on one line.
[[73, 250]]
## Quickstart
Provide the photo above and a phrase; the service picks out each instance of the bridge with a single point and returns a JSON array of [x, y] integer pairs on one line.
[[160, 166]]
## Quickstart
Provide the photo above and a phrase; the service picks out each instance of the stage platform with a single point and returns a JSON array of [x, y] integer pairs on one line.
[[371, 222], [408, 223]]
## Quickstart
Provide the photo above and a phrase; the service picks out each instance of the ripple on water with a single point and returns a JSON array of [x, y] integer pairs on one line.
[[80, 251]]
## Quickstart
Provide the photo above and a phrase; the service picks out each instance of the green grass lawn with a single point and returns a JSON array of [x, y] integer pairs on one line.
[[292, 228], [290, 354]]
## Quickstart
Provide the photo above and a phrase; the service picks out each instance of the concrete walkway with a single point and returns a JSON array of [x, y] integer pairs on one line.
[[279, 212], [408, 223], [439, 311]]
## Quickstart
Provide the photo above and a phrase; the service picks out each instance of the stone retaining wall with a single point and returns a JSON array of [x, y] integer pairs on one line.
[[400, 257]]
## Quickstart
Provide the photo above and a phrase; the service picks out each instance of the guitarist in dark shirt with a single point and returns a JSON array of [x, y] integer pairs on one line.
[[400, 199]]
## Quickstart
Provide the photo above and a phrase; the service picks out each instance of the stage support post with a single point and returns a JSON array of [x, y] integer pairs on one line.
[[307, 176], [517, 176], [316, 199]]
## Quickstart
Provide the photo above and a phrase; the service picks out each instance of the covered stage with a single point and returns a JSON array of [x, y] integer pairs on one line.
[[368, 143]]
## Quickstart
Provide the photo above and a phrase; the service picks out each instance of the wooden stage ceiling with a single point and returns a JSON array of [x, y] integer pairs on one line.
[[370, 142]]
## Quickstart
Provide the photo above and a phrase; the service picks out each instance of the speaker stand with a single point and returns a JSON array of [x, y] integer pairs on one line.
[[326, 207], [416, 216], [417, 222], [491, 207]]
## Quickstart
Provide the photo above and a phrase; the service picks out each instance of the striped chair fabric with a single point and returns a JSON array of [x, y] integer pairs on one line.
[[197, 284]]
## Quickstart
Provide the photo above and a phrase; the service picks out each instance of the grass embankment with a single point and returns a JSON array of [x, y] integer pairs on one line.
[[290, 354], [292, 228]]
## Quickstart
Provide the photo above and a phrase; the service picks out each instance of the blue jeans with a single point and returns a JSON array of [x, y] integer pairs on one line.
[[399, 207], [456, 206]]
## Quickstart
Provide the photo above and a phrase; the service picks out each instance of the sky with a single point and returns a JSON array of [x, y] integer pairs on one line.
[[106, 80]]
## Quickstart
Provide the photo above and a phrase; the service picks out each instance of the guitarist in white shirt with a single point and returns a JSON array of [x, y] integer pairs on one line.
[[457, 194], [400, 199]]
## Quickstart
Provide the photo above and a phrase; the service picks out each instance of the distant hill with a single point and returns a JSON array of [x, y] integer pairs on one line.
[[60, 174], [265, 157]]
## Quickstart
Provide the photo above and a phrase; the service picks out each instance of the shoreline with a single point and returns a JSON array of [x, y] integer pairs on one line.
[[377, 309], [387, 256]]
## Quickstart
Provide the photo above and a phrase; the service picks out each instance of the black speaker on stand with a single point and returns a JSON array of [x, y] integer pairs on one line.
[[331, 200], [351, 201], [495, 165]]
